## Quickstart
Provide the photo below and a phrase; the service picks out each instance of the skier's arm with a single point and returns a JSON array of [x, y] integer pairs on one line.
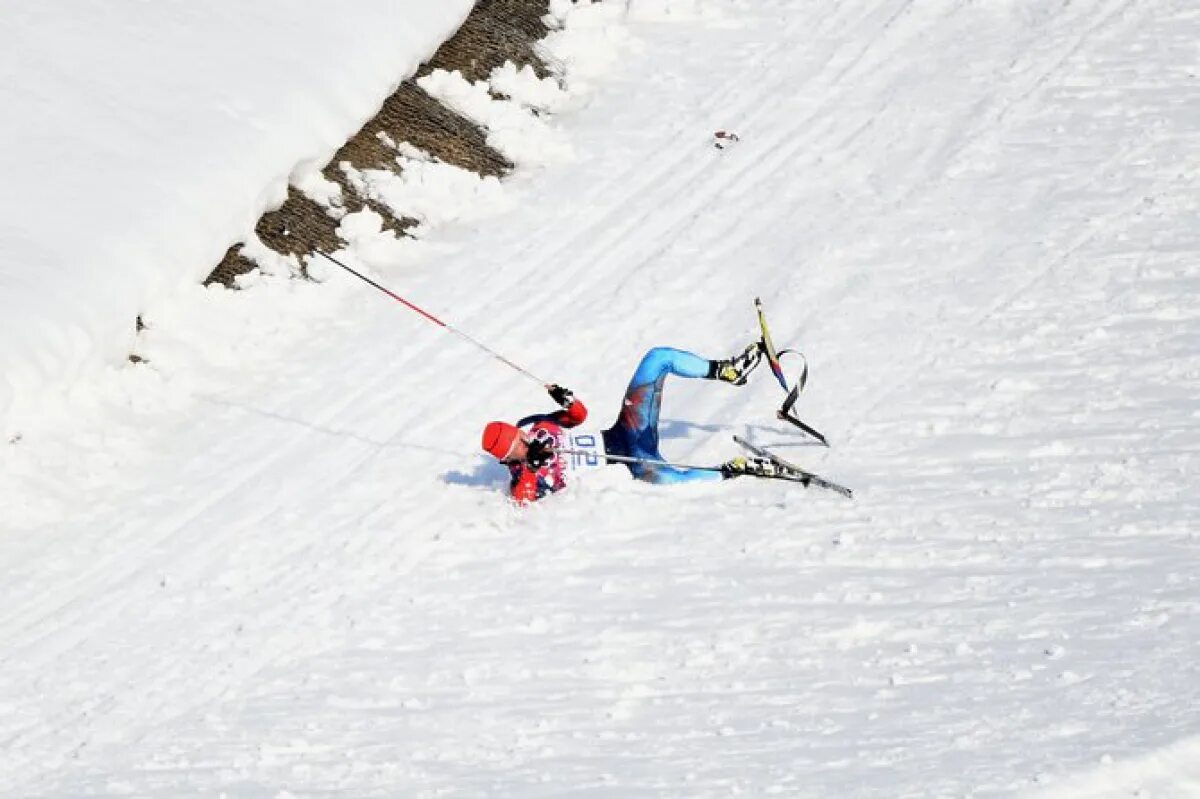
[[527, 486], [573, 411], [524, 486]]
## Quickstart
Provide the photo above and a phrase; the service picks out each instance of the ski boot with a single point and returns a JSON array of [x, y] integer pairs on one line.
[[751, 467], [737, 369]]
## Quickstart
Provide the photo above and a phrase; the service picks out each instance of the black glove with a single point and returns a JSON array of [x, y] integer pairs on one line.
[[562, 396], [539, 454]]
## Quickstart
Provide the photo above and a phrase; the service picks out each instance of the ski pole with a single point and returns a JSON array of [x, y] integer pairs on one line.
[[630, 459], [435, 320]]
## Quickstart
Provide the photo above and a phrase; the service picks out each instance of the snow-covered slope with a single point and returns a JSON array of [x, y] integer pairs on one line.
[[273, 562], [140, 142]]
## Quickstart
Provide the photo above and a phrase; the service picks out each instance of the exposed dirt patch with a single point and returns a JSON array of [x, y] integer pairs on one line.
[[297, 226], [495, 32], [411, 115], [232, 265]]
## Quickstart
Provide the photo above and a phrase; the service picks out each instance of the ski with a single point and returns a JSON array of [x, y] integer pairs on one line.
[[793, 393], [785, 416], [772, 355], [794, 472]]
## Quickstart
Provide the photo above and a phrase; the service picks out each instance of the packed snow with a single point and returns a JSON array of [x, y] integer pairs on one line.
[[270, 560], [141, 142]]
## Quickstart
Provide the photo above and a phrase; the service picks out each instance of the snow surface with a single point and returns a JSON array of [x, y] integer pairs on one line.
[[142, 142], [271, 562]]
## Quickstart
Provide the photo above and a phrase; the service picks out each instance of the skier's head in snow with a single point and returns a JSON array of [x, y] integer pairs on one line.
[[504, 441]]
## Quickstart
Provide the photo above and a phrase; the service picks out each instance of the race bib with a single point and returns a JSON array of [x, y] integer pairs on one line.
[[587, 450]]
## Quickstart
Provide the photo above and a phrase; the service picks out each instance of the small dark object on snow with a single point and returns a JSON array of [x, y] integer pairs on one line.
[[724, 138]]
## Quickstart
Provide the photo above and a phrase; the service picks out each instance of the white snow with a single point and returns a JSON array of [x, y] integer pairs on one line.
[[1172, 772], [141, 142], [272, 562]]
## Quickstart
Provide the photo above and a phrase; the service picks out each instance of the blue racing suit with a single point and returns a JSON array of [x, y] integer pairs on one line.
[[635, 434]]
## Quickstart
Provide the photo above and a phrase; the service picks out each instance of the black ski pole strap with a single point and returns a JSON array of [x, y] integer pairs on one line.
[[802, 380], [788, 403], [791, 418]]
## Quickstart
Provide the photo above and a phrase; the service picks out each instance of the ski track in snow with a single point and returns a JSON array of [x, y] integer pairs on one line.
[[978, 221]]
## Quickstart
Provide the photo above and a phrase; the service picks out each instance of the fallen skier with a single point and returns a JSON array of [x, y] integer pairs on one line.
[[542, 450]]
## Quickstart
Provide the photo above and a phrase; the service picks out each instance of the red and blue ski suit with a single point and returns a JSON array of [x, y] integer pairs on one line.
[[635, 433], [530, 484]]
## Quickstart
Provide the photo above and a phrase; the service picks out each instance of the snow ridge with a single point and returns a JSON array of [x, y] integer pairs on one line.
[[177, 157]]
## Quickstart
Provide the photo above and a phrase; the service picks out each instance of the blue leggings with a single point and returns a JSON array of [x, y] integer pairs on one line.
[[635, 434]]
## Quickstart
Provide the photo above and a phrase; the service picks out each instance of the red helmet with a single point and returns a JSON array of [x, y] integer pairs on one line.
[[498, 439]]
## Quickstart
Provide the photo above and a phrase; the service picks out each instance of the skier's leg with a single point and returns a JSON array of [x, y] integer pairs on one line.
[[638, 422], [661, 361], [636, 430], [667, 475], [738, 368]]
